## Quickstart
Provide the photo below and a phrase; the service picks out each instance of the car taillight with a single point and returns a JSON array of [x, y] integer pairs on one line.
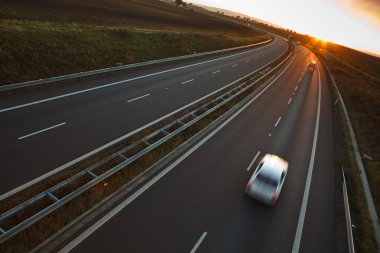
[[274, 196], [250, 185]]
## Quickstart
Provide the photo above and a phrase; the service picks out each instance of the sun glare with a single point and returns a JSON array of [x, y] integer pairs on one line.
[[325, 19]]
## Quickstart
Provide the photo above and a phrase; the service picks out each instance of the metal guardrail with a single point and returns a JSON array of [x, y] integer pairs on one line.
[[359, 163], [117, 68], [122, 157], [350, 238]]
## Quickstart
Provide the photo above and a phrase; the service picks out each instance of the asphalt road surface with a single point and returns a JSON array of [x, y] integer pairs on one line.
[[200, 204], [44, 129]]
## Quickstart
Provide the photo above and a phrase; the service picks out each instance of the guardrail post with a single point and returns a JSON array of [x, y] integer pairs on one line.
[[350, 238], [92, 174], [52, 197]]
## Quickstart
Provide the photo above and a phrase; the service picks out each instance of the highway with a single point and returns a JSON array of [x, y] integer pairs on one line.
[[200, 205], [43, 129]]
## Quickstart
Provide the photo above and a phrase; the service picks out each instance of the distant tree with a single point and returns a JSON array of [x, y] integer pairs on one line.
[[178, 2]]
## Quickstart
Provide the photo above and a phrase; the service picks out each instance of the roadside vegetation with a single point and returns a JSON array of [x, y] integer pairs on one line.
[[47, 38], [361, 95]]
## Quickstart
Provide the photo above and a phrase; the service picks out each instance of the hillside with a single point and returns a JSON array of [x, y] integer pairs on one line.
[[60, 37]]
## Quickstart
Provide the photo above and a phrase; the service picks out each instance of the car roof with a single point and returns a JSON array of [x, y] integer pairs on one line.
[[273, 166]]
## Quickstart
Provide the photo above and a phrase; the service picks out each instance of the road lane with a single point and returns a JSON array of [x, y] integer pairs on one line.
[[319, 222], [101, 116], [205, 192], [18, 98]]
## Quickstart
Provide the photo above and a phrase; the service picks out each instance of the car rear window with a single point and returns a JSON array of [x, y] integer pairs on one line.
[[267, 180]]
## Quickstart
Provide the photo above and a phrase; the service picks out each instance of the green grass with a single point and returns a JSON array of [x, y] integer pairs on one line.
[[37, 42], [33, 50]]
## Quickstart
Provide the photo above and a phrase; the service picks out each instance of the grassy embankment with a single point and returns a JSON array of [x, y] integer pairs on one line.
[[361, 95], [37, 43]]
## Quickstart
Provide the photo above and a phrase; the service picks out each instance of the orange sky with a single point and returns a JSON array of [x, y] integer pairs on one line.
[[353, 23]]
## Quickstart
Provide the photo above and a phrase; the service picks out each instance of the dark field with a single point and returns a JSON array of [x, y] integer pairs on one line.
[[60, 37], [149, 14]]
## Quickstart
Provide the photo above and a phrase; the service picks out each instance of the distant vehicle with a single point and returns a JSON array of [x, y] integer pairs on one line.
[[312, 65], [266, 182]]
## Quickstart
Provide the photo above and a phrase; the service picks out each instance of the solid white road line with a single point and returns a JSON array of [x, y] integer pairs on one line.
[[216, 71], [247, 60], [290, 100], [301, 219], [124, 81], [198, 242], [188, 81], [138, 98], [278, 121], [253, 161], [43, 130], [146, 186], [235, 65]]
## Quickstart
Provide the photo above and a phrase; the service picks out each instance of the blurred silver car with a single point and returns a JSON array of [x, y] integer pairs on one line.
[[266, 182]]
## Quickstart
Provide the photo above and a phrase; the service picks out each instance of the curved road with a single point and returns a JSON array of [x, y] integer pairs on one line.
[[200, 204], [44, 129]]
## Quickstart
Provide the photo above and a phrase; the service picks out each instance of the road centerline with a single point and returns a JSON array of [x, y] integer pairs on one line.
[[134, 99], [235, 65], [216, 71], [198, 242], [253, 161], [188, 81], [278, 121], [41, 131]]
